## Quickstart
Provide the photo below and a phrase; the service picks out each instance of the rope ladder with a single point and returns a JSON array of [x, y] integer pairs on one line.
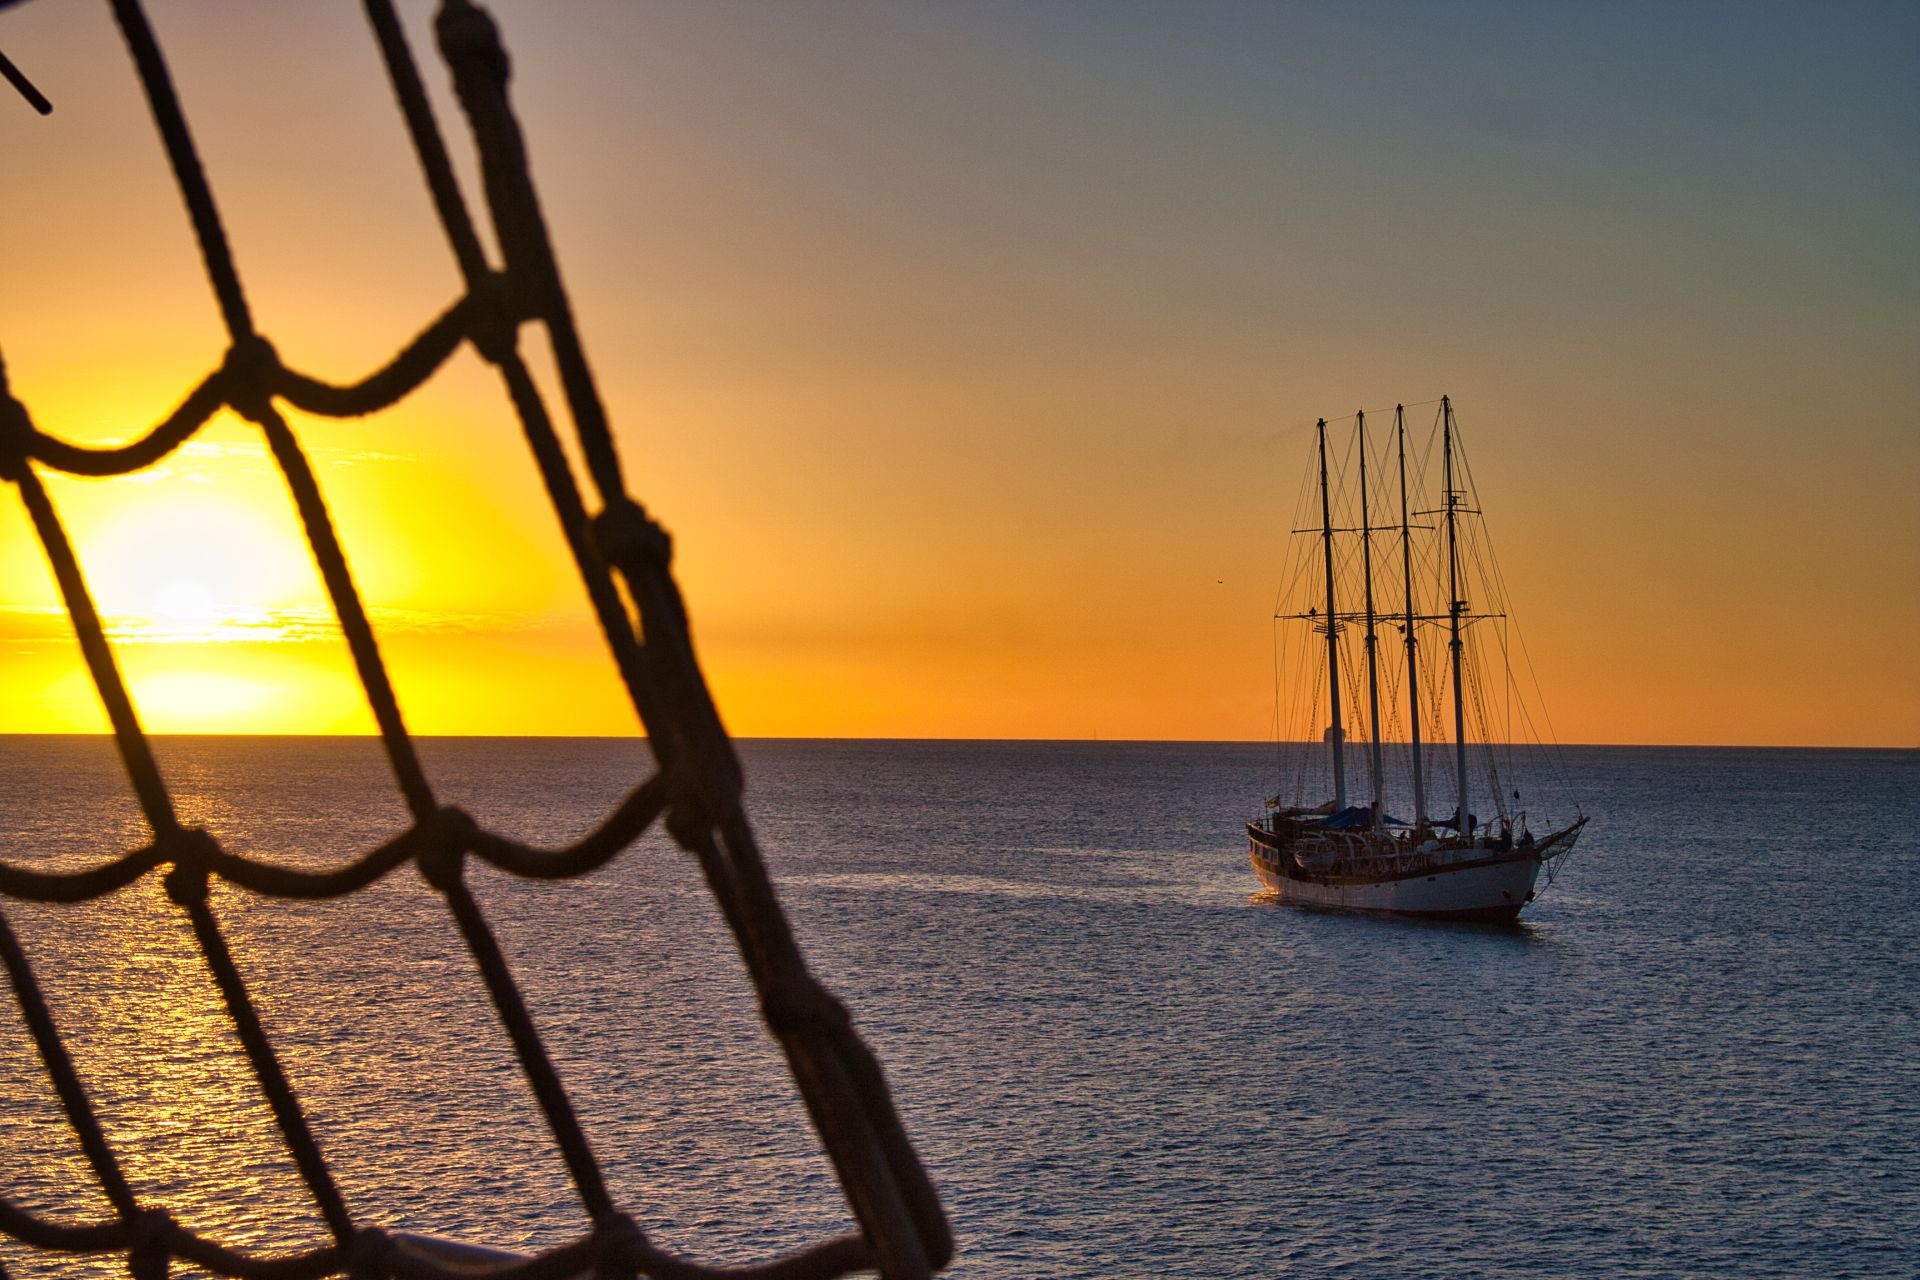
[[623, 557]]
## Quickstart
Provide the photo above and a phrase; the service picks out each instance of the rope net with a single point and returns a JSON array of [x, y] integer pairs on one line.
[[695, 791]]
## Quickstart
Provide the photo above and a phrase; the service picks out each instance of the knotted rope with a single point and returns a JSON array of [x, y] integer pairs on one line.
[[695, 790]]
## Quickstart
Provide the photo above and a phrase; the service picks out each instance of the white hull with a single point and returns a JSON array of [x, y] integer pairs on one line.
[[1490, 890]]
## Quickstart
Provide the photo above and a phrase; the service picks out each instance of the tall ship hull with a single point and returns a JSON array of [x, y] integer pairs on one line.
[[1393, 641], [1442, 883]]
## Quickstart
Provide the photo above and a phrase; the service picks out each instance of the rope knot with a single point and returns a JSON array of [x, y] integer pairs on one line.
[[800, 1006], [251, 368], [495, 330], [367, 1253], [189, 850], [455, 827], [149, 1230], [624, 532], [451, 831], [689, 823], [468, 37], [16, 431], [619, 1244], [187, 886]]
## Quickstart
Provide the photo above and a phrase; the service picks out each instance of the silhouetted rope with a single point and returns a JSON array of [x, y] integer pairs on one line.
[[695, 789]]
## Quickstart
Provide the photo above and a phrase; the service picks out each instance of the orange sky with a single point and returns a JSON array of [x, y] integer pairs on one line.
[[971, 354]]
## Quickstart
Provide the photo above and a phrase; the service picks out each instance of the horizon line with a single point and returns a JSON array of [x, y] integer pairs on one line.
[[741, 737]]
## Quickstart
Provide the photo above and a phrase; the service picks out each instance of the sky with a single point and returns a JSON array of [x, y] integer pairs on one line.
[[971, 353]]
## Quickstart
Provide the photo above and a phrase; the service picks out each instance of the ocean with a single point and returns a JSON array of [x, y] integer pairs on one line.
[[1697, 1054]]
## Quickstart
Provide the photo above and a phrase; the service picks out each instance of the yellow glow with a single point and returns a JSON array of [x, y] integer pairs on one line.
[[226, 687], [204, 568], [202, 701]]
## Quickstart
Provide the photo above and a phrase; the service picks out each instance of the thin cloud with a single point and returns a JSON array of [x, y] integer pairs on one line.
[[294, 625]]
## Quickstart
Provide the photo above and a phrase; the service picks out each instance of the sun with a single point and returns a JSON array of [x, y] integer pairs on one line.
[[172, 570], [186, 601], [209, 597]]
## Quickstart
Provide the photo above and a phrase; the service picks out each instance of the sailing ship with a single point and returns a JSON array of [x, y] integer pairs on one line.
[[1477, 856]]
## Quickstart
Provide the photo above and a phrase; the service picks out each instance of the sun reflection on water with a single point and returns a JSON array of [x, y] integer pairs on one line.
[[382, 1025], [156, 1050]]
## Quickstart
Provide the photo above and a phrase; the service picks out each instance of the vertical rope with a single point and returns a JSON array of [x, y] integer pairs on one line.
[[497, 343], [135, 753], [66, 1081], [174, 136], [427, 144], [187, 886], [527, 1046], [471, 45], [332, 562]]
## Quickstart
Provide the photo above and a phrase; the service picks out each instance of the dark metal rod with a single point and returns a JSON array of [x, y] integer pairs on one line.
[[15, 77], [1413, 643], [1336, 734]]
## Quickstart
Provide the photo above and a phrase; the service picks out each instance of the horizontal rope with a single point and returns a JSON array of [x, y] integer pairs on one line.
[[390, 1256], [449, 831], [205, 400], [418, 361], [475, 318]]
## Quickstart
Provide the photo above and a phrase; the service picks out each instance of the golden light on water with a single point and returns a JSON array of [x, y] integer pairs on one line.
[[158, 1052]]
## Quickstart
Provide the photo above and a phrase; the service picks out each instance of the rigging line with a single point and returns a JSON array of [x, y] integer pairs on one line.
[[1355, 695], [470, 43], [187, 170], [1398, 751], [1279, 765], [1440, 731], [79, 1109], [187, 886], [1284, 705], [404, 374], [1304, 716], [25, 87], [1486, 738], [1510, 693], [510, 1006], [224, 276], [229, 385], [1555, 757], [1384, 411], [1536, 746], [1298, 692], [136, 753], [499, 347], [429, 146], [1293, 560], [205, 400], [1314, 726], [352, 614], [837, 1075], [1549, 742], [492, 120]]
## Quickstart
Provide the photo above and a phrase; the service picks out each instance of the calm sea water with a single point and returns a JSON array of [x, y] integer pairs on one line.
[[1697, 1055]]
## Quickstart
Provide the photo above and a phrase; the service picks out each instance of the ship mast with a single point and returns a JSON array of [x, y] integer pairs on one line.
[[1336, 735], [1366, 564], [1413, 665], [1454, 608]]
